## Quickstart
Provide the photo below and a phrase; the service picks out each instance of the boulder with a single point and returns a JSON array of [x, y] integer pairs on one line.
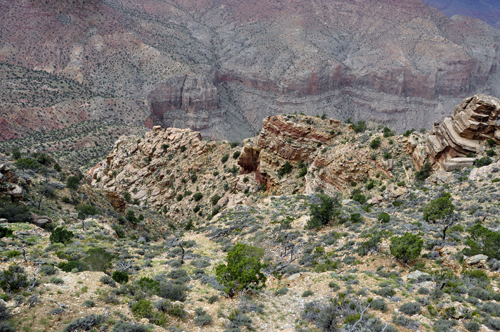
[[474, 260], [416, 274], [40, 221]]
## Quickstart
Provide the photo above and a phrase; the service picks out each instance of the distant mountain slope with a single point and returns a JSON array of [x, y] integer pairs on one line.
[[220, 66], [485, 10]]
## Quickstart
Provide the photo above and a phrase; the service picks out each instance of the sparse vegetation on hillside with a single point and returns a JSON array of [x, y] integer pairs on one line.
[[227, 255]]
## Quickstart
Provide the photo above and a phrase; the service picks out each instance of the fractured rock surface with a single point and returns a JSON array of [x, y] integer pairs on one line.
[[474, 121]]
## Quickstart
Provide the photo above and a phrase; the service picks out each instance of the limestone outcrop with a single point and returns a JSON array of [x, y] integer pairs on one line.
[[304, 140], [474, 121]]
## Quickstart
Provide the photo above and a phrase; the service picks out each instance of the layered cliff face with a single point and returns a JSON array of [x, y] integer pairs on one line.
[[221, 66], [458, 141], [318, 147]]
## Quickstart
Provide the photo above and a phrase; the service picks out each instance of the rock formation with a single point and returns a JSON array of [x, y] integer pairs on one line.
[[474, 121], [9, 184], [298, 139]]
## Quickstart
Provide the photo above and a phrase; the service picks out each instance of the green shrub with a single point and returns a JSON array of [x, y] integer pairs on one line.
[[285, 169], [491, 142], [56, 280], [361, 199], [5, 232], [224, 158], [375, 143], [87, 210], [130, 216], [202, 318], [324, 212], [359, 127], [98, 259], [356, 217], [410, 308], [379, 304], [16, 153], [384, 217], [372, 244], [198, 196], [491, 153], [406, 248], [48, 270], [236, 154], [13, 279], [385, 291], [307, 293], [72, 265], [88, 304], [61, 235], [472, 326], [242, 270], [478, 276], [85, 323], [28, 163], [15, 213], [334, 286], [120, 277], [122, 326], [482, 240], [424, 172], [302, 172], [57, 167], [485, 161], [108, 281], [72, 182], [408, 133], [215, 199], [281, 291], [439, 208], [144, 309]]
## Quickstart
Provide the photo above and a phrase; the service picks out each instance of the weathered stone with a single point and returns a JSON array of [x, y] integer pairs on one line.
[[40, 221], [416, 274], [476, 259], [473, 121], [482, 173], [458, 163]]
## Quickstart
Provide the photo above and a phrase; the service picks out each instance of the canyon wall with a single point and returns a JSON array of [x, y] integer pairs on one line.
[[220, 66]]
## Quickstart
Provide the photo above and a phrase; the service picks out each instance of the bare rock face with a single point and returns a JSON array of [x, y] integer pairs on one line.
[[308, 140], [180, 102], [474, 121]]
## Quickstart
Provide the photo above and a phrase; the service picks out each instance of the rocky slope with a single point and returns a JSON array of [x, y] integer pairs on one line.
[[219, 67], [166, 208]]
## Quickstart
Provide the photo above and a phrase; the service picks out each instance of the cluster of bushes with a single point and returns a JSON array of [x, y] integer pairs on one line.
[[14, 213], [13, 279], [326, 210]]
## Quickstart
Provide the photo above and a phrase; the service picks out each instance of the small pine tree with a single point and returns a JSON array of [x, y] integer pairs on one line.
[[439, 208], [61, 235], [406, 248], [242, 270]]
